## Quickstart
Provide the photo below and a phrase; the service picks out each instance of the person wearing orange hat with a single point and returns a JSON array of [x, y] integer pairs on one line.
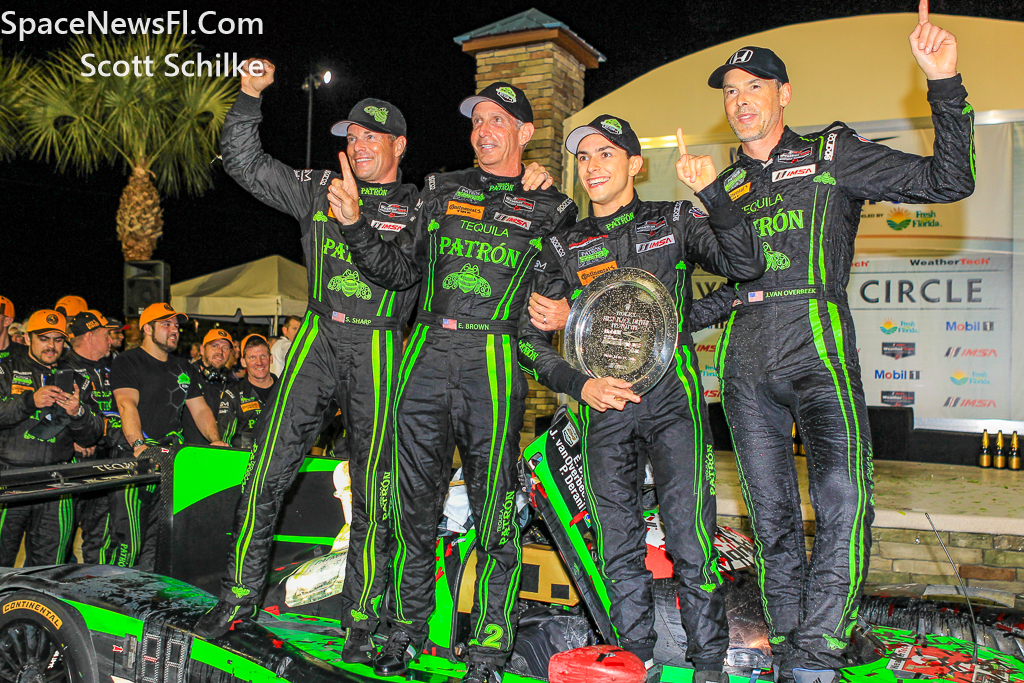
[[89, 355], [214, 377], [7, 345], [44, 412], [242, 404], [70, 306], [152, 389]]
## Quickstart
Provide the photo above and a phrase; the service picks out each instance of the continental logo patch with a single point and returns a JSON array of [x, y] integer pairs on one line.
[[20, 389], [35, 607], [250, 406], [739, 191], [465, 210], [588, 275]]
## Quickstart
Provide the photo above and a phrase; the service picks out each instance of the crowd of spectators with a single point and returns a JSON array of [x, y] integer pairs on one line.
[[76, 386]]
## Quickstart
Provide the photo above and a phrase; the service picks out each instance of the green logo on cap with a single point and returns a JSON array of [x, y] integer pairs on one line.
[[612, 125], [507, 94], [379, 114]]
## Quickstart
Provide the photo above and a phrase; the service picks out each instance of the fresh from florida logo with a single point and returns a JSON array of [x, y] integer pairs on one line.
[[960, 378], [471, 195], [507, 94], [593, 254], [898, 219], [903, 327]]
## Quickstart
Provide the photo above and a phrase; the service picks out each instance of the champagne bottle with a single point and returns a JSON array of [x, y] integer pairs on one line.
[[999, 461], [984, 458], [1014, 460]]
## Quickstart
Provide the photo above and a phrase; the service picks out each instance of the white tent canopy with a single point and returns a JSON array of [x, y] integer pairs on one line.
[[266, 288]]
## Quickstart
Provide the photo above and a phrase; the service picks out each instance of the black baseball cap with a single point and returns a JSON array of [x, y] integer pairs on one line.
[[505, 95], [377, 115], [759, 61], [87, 321], [616, 130]]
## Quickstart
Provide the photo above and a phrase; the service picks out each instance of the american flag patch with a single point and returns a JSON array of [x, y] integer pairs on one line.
[[449, 323], [754, 297], [337, 317]]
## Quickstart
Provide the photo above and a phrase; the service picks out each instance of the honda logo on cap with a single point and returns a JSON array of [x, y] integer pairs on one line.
[[741, 57]]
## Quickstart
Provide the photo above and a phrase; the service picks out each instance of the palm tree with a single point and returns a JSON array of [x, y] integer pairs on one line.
[[161, 129], [15, 73]]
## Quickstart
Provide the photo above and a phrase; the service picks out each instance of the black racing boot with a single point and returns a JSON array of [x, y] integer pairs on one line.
[[394, 659], [358, 648], [220, 618], [482, 672]]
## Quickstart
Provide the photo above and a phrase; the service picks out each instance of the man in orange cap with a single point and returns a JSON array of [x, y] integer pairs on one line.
[[70, 306], [97, 513], [7, 345], [214, 377], [152, 389], [43, 412], [241, 404]]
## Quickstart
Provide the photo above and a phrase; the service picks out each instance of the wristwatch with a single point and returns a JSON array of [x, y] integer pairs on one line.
[[138, 442]]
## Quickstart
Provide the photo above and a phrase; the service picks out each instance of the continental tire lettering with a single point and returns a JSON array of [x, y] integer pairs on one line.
[[465, 210], [740, 191], [587, 275], [43, 610]]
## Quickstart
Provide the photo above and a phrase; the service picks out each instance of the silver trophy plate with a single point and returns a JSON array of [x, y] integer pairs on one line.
[[624, 325]]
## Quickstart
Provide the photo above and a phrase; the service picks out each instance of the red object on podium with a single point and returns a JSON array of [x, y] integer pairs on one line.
[[596, 664]]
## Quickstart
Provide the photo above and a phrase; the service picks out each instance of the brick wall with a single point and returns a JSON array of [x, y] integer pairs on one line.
[[911, 556], [553, 80]]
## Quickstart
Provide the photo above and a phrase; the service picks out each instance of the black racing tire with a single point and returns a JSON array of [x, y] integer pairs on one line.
[[44, 641]]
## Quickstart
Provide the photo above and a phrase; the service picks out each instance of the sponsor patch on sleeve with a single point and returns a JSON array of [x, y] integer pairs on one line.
[[697, 213], [387, 227], [465, 210], [303, 175], [739, 191], [870, 142], [588, 275]]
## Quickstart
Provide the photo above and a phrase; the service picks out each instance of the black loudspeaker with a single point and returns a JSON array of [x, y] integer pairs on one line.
[[145, 283]]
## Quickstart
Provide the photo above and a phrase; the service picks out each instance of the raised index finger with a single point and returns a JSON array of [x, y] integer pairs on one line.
[[679, 135], [922, 12]]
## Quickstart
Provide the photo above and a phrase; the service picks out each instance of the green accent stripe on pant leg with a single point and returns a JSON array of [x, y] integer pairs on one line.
[[512, 595], [428, 292], [857, 554], [381, 416], [412, 352], [485, 524], [688, 377], [66, 525], [819, 344], [296, 357], [105, 546]]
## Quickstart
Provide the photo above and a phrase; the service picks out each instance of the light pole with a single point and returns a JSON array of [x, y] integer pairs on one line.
[[313, 82]]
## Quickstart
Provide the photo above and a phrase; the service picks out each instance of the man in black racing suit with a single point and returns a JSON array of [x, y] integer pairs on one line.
[[789, 351], [667, 240], [104, 515], [460, 383], [348, 348], [39, 425]]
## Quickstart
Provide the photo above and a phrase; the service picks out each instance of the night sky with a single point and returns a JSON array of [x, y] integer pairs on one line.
[[57, 233]]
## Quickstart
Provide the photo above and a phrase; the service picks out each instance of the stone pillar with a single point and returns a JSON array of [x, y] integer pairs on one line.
[[547, 60]]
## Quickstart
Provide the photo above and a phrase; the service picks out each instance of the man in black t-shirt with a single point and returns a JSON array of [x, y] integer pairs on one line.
[[241, 404], [152, 388]]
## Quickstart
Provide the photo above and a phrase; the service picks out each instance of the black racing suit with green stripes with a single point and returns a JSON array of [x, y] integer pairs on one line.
[[239, 410], [670, 424], [103, 516], [48, 526], [348, 349], [460, 384], [789, 352]]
